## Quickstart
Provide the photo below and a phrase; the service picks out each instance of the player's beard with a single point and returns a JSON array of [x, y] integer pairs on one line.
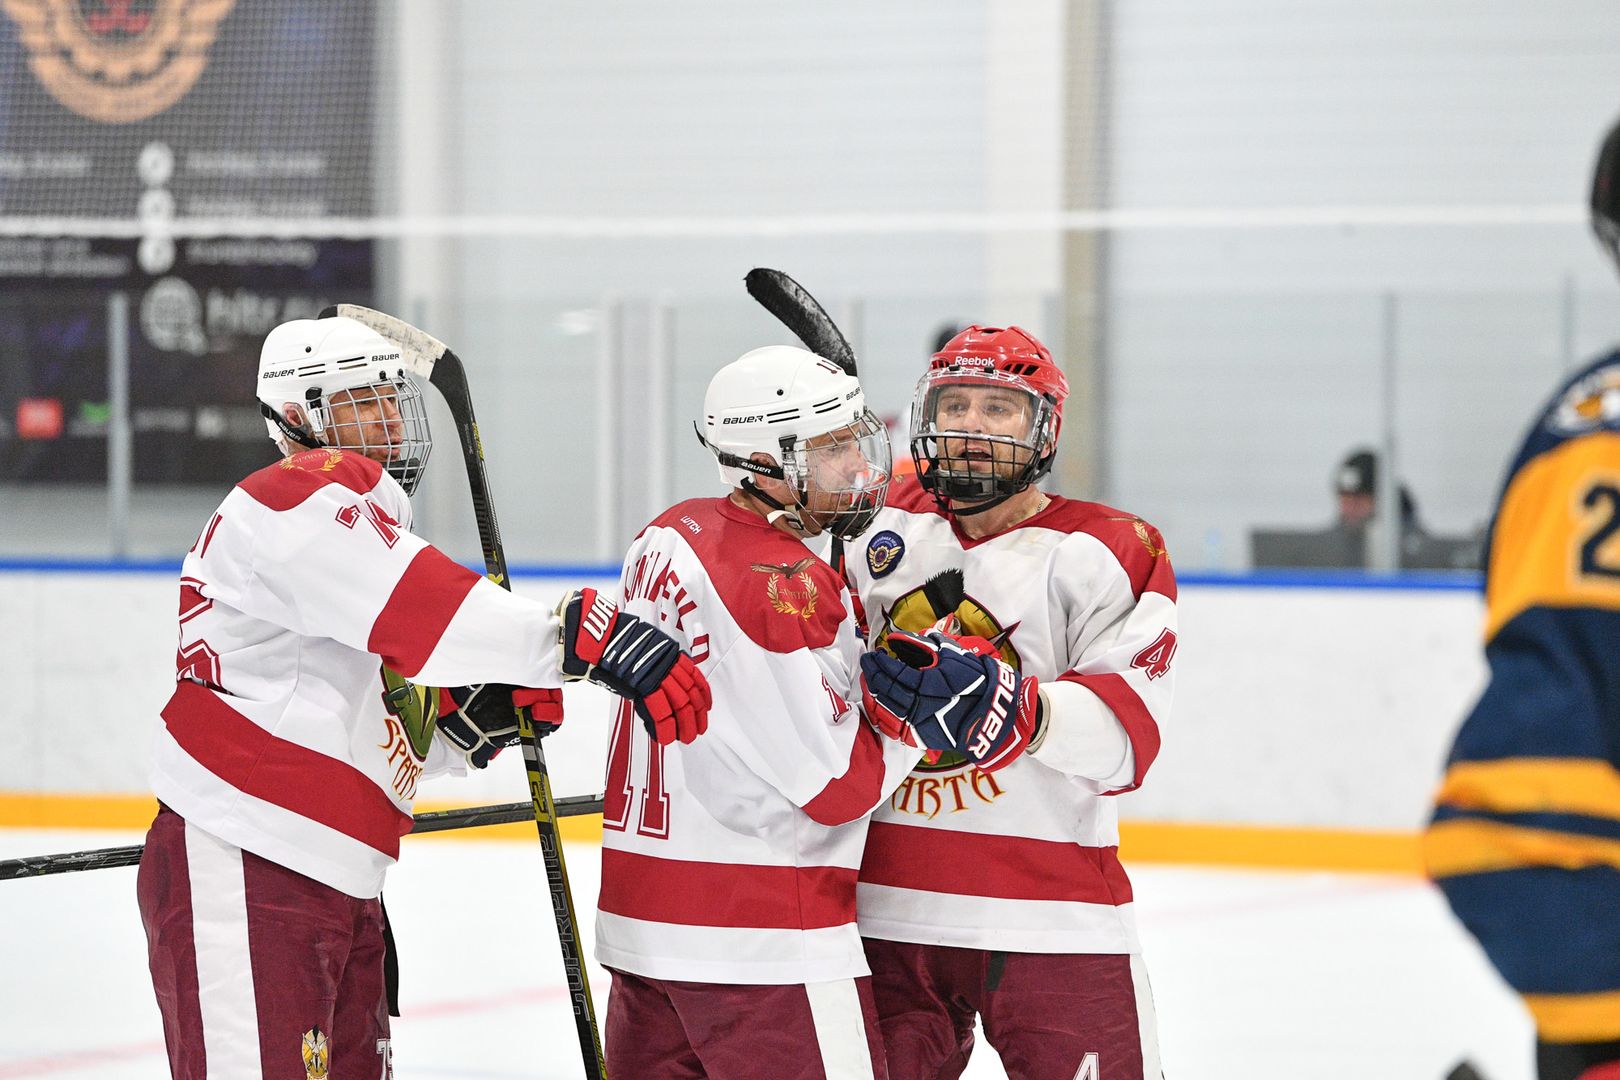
[[984, 457]]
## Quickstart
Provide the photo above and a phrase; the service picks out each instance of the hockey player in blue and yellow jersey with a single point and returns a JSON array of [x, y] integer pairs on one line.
[[1525, 840]]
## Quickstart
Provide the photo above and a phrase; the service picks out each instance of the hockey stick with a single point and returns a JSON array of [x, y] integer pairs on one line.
[[797, 310], [427, 356], [469, 817]]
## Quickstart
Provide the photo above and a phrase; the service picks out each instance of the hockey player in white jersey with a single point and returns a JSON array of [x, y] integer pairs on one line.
[[727, 910], [291, 749], [1036, 636]]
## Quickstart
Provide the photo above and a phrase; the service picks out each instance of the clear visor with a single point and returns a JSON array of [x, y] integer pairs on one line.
[[842, 477], [386, 421], [980, 423]]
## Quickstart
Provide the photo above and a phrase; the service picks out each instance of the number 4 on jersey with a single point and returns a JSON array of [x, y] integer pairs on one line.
[[1155, 659]]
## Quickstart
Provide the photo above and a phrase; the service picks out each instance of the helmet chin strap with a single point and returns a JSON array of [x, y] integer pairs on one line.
[[779, 512], [954, 507], [975, 508], [302, 436]]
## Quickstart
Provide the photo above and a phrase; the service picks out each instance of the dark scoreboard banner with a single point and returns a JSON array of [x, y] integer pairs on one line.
[[151, 112]]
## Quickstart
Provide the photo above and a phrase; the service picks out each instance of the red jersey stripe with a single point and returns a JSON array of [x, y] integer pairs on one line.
[[725, 894], [422, 604], [783, 597], [854, 794], [289, 482], [984, 864], [1127, 706], [310, 784]]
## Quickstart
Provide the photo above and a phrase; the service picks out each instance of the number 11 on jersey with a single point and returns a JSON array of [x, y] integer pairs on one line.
[[619, 794]]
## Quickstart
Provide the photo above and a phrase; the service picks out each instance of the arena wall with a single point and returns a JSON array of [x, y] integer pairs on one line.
[[1310, 725]]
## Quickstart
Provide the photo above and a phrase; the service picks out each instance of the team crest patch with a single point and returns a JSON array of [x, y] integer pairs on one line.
[[1592, 403], [791, 590], [317, 1056], [117, 61], [883, 552], [942, 602]]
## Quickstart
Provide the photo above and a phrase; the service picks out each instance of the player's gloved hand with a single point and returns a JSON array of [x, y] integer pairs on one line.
[[637, 661], [482, 720], [947, 695]]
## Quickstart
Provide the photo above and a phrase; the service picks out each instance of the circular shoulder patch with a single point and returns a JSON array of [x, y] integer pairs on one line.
[[1592, 402], [883, 552]]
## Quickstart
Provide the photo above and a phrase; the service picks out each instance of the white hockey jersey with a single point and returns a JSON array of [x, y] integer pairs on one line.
[[733, 859], [300, 589], [1025, 859]]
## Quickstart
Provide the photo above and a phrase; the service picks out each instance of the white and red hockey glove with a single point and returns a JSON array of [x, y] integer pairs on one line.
[[637, 661], [947, 694], [482, 720]]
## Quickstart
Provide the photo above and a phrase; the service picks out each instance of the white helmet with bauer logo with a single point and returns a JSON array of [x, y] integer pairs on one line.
[[811, 418], [349, 390]]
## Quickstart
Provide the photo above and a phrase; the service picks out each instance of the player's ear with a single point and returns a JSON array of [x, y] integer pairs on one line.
[[768, 484]]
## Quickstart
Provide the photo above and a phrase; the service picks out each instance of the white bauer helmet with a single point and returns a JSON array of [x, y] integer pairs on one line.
[[380, 412], [811, 417]]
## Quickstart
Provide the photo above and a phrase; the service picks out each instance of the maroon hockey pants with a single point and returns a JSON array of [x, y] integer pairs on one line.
[[259, 971], [663, 1030], [1051, 1016]]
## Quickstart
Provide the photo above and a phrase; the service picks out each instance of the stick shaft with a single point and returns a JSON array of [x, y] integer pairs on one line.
[[451, 379], [428, 356], [470, 817]]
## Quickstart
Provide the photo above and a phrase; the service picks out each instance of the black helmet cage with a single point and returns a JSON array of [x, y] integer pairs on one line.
[[949, 477], [406, 457]]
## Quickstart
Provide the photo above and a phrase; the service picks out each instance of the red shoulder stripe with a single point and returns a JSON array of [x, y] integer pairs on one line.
[[781, 595], [426, 598], [289, 482], [1138, 546], [293, 777], [854, 794], [905, 493], [1127, 706]]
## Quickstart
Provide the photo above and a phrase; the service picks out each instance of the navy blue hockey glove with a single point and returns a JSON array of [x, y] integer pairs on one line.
[[482, 720], [637, 661], [945, 695]]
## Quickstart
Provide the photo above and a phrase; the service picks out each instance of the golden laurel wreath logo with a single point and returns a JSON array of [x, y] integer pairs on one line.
[[319, 460], [787, 600], [117, 61]]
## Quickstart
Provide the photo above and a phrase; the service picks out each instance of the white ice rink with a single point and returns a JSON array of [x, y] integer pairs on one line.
[[1258, 976]]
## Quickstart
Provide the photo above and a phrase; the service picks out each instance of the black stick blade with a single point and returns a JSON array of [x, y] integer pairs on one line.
[[799, 312]]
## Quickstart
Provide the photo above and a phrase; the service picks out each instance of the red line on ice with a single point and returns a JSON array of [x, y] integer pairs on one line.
[[77, 1060]]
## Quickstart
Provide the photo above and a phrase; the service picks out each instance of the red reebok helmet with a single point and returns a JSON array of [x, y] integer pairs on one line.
[[988, 355], [1013, 351]]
